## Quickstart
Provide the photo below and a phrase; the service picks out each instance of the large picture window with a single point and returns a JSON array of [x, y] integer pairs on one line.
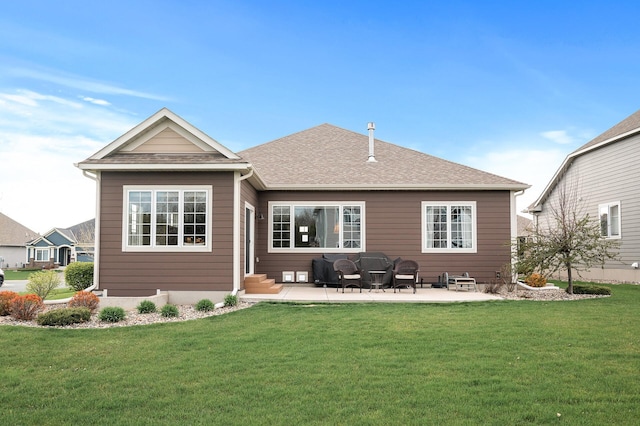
[[167, 218], [322, 227], [610, 219], [449, 227]]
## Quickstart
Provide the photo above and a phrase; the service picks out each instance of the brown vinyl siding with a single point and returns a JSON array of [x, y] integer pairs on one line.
[[394, 227], [140, 274]]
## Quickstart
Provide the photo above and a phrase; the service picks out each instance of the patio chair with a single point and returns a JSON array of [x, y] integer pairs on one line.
[[405, 274], [348, 274]]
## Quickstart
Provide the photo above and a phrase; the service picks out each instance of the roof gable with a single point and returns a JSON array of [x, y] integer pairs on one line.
[[164, 141], [60, 237], [329, 157], [624, 129], [152, 130], [167, 140]]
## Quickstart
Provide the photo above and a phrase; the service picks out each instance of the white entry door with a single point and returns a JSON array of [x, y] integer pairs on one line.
[[249, 234]]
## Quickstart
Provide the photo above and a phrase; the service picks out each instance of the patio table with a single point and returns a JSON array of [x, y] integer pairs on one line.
[[376, 279]]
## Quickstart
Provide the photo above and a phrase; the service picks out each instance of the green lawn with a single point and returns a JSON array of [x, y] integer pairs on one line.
[[19, 274], [506, 362]]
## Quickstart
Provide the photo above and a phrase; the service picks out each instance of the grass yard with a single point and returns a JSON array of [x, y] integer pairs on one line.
[[19, 274], [506, 362]]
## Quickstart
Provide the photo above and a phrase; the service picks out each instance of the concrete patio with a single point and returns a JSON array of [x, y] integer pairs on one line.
[[297, 293]]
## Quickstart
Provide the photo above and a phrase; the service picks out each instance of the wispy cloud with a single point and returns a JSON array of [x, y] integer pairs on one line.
[[41, 137], [81, 83], [558, 136], [95, 101]]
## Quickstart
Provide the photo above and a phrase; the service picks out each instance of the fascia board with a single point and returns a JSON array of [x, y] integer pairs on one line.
[[168, 167], [386, 187], [569, 159]]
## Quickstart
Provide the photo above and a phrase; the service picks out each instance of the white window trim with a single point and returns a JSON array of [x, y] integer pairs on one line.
[[474, 231], [207, 247], [341, 204], [608, 207], [44, 250]]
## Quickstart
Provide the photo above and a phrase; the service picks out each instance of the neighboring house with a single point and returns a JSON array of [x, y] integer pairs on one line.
[[603, 175], [525, 230], [61, 246], [13, 240], [179, 212]]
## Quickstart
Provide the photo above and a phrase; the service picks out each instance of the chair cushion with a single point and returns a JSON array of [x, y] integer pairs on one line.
[[405, 277], [352, 277]]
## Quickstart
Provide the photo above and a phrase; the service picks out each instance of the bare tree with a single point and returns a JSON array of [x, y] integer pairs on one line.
[[570, 241]]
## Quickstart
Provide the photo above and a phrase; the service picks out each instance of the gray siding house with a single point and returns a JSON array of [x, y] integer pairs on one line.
[[605, 177], [13, 241], [180, 213]]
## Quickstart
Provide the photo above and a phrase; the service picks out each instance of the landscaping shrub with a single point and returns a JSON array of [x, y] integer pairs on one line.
[[493, 287], [85, 299], [146, 307], [112, 314], [591, 289], [26, 307], [43, 282], [230, 300], [79, 275], [536, 280], [64, 316], [205, 305], [5, 302], [169, 311]]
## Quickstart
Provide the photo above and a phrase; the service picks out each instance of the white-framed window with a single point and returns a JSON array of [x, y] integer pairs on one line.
[[449, 227], [166, 218], [610, 219], [316, 227], [43, 254]]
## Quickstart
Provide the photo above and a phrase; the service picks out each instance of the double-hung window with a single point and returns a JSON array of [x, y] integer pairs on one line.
[[449, 227], [314, 226], [610, 219], [167, 218], [43, 255]]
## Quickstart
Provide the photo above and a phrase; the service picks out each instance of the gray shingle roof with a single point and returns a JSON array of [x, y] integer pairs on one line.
[[629, 124], [327, 156], [14, 234]]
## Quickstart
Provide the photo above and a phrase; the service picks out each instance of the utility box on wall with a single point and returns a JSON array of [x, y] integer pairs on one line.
[[302, 276], [288, 277]]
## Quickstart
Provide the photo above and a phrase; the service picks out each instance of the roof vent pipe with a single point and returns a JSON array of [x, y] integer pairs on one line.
[[372, 158]]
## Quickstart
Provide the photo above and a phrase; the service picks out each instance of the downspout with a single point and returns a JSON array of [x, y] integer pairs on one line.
[[514, 231], [236, 232], [96, 237], [93, 286]]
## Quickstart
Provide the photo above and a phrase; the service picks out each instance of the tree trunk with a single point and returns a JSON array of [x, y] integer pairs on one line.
[[569, 279]]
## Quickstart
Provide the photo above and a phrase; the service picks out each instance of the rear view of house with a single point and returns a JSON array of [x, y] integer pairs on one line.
[[178, 212]]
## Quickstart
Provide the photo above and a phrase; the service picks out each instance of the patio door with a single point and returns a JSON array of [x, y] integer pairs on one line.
[[249, 234]]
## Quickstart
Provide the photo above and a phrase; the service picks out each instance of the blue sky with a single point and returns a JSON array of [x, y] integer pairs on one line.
[[506, 87]]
